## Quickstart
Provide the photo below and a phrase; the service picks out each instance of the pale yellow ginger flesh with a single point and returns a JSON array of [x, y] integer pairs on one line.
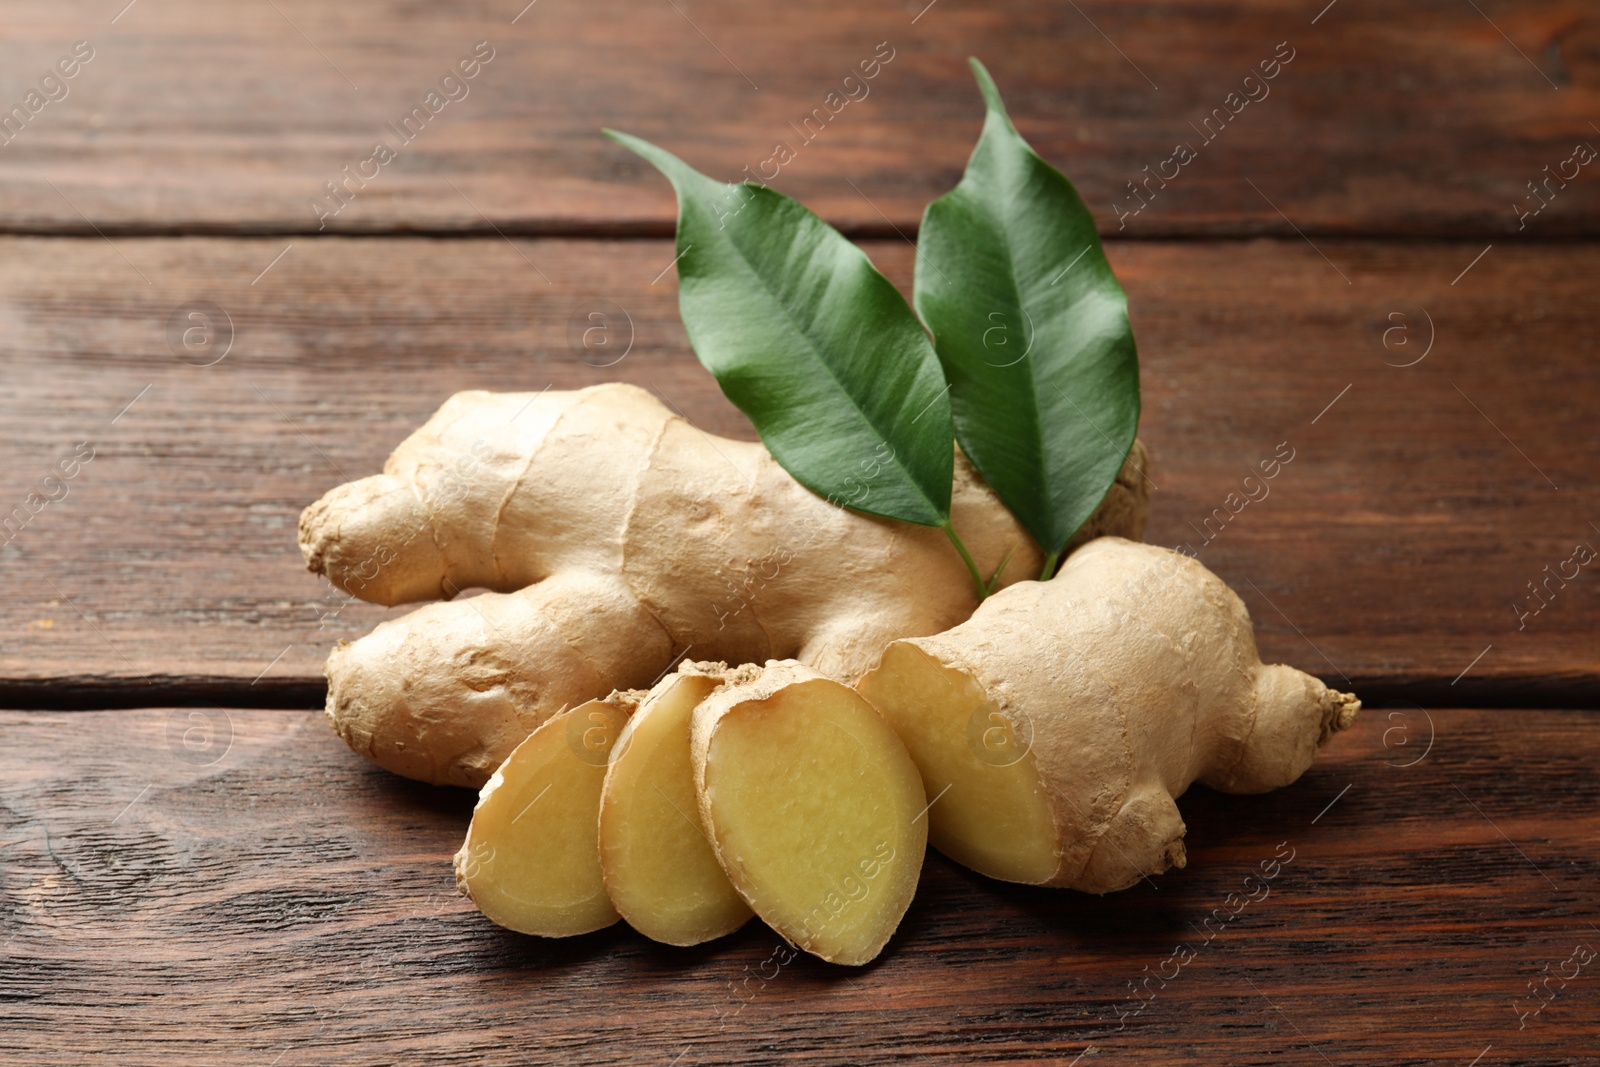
[[1000, 822], [1059, 724], [657, 861], [531, 860], [612, 534], [814, 808]]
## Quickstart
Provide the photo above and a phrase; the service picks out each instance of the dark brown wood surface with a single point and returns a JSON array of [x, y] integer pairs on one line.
[[194, 885], [1419, 503], [1427, 118], [1352, 270]]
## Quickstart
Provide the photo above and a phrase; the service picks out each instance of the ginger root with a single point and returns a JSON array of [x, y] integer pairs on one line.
[[1057, 726], [614, 537], [814, 808]]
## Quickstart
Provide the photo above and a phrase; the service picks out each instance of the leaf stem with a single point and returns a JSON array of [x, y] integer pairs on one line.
[[998, 571], [966, 557], [1049, 568]]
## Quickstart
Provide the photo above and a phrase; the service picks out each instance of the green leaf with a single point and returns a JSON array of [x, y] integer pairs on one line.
[[1032, 329], [813, 344]]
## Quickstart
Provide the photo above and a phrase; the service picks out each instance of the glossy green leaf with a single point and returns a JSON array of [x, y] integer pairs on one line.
[[1032, 330], [813, 344]]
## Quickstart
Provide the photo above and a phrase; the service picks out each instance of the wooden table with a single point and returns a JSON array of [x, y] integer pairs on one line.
[[193, 869]]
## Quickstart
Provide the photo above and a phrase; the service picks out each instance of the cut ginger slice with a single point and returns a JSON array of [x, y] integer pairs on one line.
[[658, 864], [966, 747], [531, 860], [814, 808]]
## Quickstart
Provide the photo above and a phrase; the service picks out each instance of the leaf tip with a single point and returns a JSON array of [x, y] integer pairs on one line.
[[986, 86], [658, 157]]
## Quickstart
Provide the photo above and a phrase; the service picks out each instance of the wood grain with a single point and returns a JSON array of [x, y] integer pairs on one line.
[[212, 884], [1427, 118], [199, 885], [1419, 502]]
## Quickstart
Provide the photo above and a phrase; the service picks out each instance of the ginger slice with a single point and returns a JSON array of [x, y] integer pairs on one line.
[[991, 813], [658, 863], [814, 808], [531, 860]]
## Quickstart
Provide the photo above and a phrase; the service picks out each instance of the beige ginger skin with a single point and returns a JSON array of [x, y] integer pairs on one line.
[[615, 537], [1060, 723]]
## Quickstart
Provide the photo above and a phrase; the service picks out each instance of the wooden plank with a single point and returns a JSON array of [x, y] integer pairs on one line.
[[1389, 551], [1431, 118], [199, 885]]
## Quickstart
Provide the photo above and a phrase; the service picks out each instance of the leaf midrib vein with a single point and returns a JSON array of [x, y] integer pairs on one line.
[[1046, 491], [817, 351]]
